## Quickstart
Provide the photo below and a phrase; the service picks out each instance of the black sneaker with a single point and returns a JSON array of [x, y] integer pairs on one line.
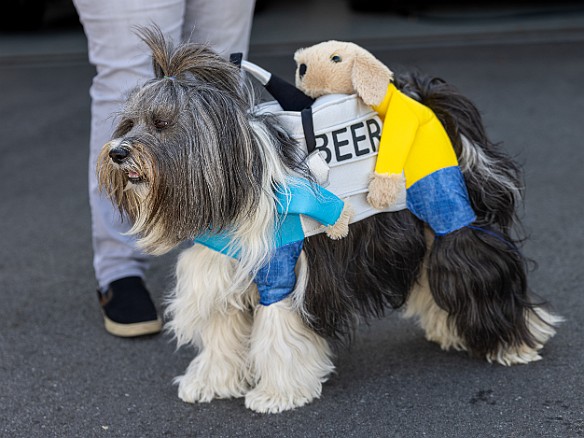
[[128, 309]]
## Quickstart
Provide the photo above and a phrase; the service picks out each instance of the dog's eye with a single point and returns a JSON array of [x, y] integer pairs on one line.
[[336, 59], [161, 124]]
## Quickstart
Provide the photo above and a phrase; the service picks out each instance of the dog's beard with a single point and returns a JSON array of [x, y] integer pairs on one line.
[[154, 192], [129, 185]]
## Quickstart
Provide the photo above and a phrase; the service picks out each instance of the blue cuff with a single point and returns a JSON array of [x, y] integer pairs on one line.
[[441, 200]]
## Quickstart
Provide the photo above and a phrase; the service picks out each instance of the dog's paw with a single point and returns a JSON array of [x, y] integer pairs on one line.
[[542, 326], [193, 390], [446, 339], [384, 189], [201, 387], [270, 402], [515, 355]]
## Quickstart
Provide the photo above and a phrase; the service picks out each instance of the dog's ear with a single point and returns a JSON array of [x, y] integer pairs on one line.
[[370, 77]]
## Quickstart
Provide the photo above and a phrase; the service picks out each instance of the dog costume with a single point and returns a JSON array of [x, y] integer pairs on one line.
[[413, 142], [276, 279]]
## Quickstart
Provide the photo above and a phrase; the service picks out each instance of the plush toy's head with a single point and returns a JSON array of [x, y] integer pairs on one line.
[[341, 67]]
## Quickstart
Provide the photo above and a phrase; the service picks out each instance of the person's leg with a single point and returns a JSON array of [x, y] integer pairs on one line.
[[122, 62], [224, 24]]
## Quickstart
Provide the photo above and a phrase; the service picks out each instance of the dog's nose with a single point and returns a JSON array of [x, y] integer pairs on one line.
[[118, 155], [302, 69]]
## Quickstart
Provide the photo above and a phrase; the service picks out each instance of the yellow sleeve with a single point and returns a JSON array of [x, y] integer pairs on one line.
[[400, 125]]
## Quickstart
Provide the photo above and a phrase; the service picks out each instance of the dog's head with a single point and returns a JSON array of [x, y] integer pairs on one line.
[[341, 67], [182, 159]]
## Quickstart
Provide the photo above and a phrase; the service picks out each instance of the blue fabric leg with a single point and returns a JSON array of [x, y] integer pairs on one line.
[[276, 279]]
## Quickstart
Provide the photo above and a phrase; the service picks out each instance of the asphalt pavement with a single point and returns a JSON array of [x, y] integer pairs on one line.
[[62, 375]]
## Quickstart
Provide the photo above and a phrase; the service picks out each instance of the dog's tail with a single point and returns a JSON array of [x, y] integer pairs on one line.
[[479, 277], [477, 273], [493, 179]]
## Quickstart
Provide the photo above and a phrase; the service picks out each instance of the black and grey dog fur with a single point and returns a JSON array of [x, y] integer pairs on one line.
[[190, 154]]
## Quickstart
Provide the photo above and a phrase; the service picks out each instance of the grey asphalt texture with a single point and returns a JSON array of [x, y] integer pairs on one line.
[[62, 375]]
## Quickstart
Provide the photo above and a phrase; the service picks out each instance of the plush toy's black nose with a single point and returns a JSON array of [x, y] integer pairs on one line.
[[118, 155], [302, 69]]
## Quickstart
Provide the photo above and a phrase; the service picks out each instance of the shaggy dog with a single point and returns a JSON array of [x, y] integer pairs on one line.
[[191, 157]]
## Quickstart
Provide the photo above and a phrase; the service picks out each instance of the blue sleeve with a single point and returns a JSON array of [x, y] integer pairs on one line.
[[311, 200]]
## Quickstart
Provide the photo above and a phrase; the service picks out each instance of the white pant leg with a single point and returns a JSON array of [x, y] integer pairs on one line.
[[122, 61], [224, 24]]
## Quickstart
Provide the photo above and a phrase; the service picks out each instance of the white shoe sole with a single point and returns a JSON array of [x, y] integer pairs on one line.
[[132, 330]]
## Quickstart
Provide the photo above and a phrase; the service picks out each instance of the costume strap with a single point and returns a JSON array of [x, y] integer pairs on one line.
[[496, 235]]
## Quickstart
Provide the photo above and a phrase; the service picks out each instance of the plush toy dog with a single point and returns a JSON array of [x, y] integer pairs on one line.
[[193, 159], [413, 144]]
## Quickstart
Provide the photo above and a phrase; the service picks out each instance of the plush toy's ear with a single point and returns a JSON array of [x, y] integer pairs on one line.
[[370, 78]]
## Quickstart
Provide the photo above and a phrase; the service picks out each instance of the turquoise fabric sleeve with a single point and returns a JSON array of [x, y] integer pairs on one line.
[[301, 197], [310, 200]]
